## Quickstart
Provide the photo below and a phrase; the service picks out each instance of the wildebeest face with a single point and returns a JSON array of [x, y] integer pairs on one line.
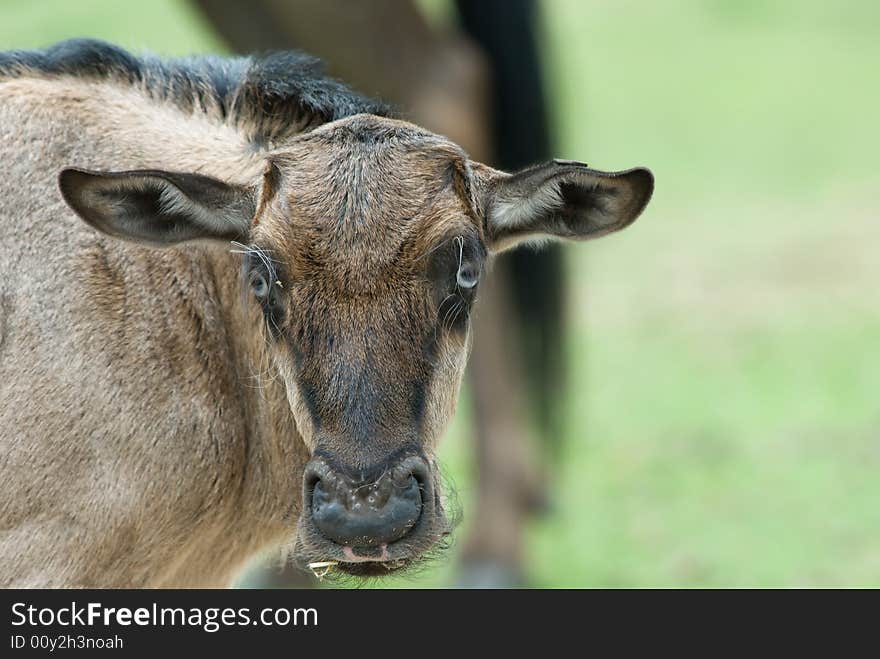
[[366, 255], [364, 245]]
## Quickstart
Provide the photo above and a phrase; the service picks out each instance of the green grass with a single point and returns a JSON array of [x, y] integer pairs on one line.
[[726, 347], [168, 27], [725, 350]]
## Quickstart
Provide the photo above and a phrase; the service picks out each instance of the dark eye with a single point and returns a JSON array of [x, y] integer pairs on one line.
[[468, 276], [259, 285]]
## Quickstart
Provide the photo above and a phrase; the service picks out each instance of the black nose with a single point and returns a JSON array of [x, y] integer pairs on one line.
[[367, 514]]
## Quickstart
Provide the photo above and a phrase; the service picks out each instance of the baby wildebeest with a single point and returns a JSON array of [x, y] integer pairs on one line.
[[166, 414]]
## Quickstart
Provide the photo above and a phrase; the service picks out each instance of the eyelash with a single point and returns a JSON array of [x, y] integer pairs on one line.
[[268, 298], [260, 285], [467, 277]]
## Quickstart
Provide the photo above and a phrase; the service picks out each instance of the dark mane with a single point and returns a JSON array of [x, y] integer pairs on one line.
[[268, 96]]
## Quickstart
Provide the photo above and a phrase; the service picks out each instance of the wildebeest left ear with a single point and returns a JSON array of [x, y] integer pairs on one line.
[[562, 199], [157, 207]]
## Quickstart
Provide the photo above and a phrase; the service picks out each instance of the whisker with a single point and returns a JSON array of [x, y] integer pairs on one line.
[[436, 247], [262, 254]]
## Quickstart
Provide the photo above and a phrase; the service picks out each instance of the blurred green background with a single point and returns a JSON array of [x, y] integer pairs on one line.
[[724, 416]]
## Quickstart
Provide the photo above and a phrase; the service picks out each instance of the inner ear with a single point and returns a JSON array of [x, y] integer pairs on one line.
[[583, 199], [158, 207], [563, 199]]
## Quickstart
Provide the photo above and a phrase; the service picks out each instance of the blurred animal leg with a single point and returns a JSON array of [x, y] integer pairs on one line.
[[508, 475]]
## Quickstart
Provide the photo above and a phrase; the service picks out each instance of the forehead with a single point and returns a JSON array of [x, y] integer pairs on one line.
[[366, 194]]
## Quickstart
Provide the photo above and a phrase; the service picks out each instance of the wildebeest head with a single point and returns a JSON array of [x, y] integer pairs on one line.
[[364, 246]]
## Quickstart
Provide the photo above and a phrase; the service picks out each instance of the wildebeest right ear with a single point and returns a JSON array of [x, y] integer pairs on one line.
[[562, 199], [157, 207]]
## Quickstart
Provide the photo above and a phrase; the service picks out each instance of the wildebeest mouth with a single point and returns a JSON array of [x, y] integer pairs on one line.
[[388, 560], [429, 537]]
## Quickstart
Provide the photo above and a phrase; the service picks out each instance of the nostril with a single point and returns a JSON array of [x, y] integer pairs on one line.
[[310, 480], [320, 496], [367, 515], [412, 489], [411, 468], [314, 474]]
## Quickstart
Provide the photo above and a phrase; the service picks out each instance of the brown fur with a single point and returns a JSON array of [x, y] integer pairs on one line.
[[154, 424]]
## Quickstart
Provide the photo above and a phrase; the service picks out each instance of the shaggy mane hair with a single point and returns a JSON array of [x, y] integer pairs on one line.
[[267, 97]]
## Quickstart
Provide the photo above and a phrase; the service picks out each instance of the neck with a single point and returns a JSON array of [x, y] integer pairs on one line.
[[109, 126], [106, 126]]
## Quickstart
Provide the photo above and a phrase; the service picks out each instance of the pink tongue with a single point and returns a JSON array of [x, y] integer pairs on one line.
[[351, 557]]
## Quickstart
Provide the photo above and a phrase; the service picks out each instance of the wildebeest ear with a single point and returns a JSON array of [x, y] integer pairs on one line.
[[158, 208], [562, 199]]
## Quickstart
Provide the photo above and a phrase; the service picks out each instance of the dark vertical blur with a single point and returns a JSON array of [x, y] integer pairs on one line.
[[508, 31]]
